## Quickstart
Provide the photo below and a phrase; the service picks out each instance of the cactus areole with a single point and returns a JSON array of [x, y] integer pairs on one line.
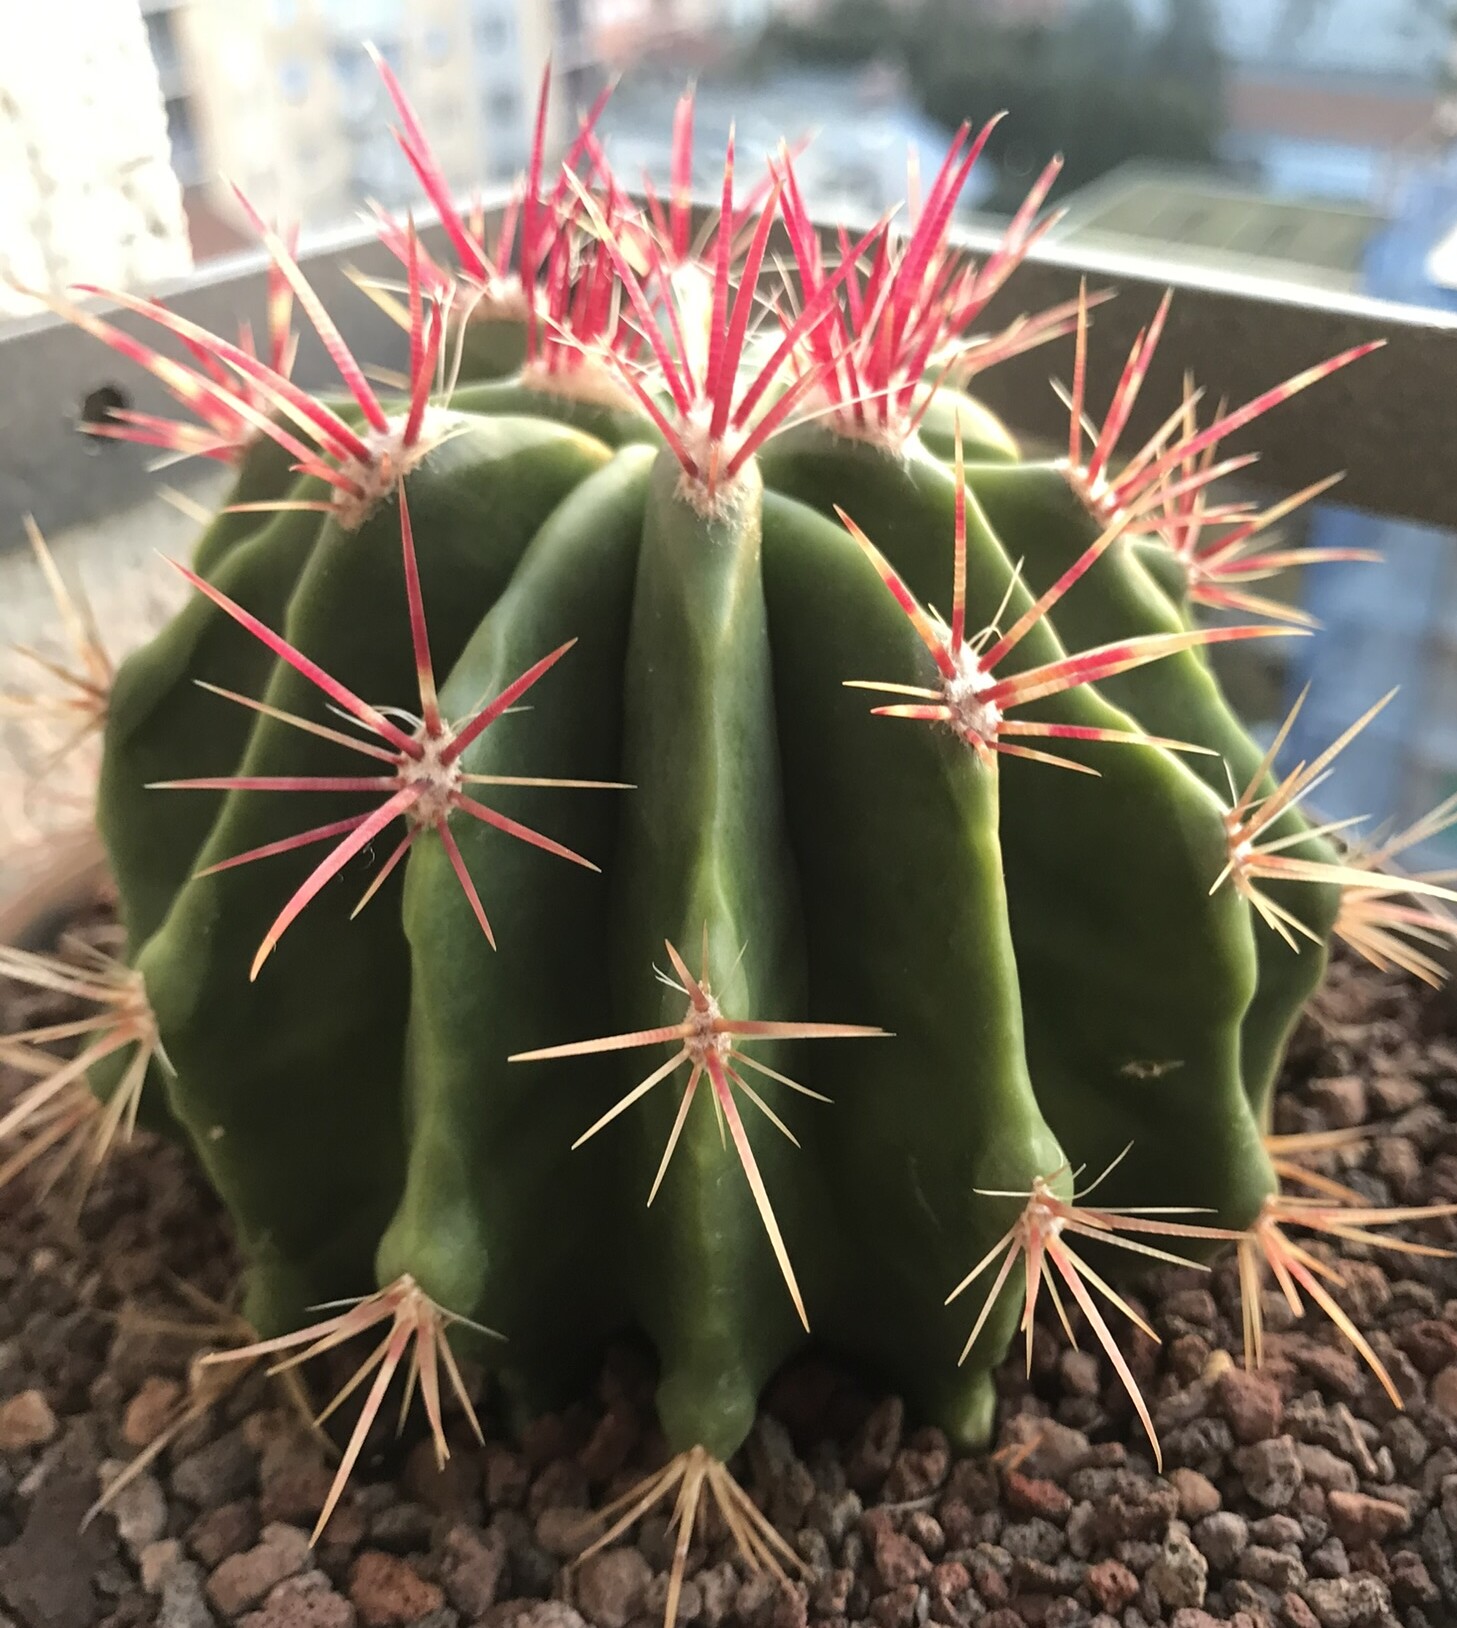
[[701, 834]]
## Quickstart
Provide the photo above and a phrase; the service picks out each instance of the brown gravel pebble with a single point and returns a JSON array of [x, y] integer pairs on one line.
[[1197, 1494], [226, 1530], [1032, 1496], [149, 1410], [306, 1601], [26, 1421], [1004, 1618], [472, 1569], [898, 1560], [1252, 1404], [1295, 1613], [1272, 1471], [217, 1474], [564, 1532], [387, 1591], [1112, 1585], [242, 1580], [611, 1587], [1357, 1518], [1442, 1393], [445, 1488], [294, 1479], [1341, 1102]]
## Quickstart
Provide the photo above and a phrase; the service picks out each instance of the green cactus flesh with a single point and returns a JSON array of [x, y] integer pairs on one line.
[[842, 866], [852, 997]]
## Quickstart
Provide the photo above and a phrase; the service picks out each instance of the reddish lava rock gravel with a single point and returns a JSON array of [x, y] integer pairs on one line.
[[1294, 1498]]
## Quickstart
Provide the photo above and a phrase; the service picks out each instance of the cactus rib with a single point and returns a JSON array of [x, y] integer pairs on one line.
[[427, 783], [706, 1041], [974, 701]]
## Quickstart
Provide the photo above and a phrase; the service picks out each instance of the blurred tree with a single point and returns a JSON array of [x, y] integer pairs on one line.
[[845, 32], [1105, 39], [1102, 87], [1188, 42]]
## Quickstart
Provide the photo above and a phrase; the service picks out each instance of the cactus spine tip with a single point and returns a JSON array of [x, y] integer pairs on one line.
[[706, 1040], [80, 703], [1254, 857], [417, 1326], [973, 701], [908, 314], [1171, 467], [1294, 1267], [1038, 1237], [1379, 920], [428, 782], [1219, 568], [59, 1113], [685, 1479]]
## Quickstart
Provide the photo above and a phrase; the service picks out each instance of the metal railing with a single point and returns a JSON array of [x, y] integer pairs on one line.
[[1390, 422]]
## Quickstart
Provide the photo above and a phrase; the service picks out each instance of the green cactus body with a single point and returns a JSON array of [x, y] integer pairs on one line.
[[1150, 1061], [251, 1054], [722, 710], [984, 438], [610, 421], [1181, 699], [921, 1121], [494, 347], [163, 725], [655, 631], [265, 473], [483, 1244]]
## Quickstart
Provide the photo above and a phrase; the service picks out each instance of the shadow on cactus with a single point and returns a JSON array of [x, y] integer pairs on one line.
[[1042, 884]]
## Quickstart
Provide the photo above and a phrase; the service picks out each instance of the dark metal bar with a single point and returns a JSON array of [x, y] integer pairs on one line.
[[1390, 421], [49, 369]]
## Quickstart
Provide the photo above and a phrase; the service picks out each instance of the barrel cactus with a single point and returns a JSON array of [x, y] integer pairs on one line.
[[565, 669]]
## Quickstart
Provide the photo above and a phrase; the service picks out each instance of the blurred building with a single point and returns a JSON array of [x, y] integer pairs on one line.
[[1326, 98], [1325, 133], [624, 32], [86, 192], [856, 129], [1041, 13], [1380, 37], [280, 96], [1373, 37], [1396, 624]]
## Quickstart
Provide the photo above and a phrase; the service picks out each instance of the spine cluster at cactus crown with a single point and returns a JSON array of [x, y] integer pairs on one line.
[[558, 653]]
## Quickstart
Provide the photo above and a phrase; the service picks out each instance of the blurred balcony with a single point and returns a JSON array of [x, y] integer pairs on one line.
[[1389, 422]]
